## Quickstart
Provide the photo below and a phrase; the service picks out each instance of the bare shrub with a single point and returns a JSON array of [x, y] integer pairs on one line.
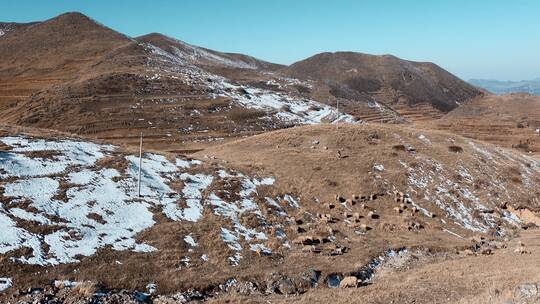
[[85, 289], [246, 114], [455, 149], [399, 148]]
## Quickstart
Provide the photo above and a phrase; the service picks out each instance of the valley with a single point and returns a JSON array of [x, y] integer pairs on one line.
[[343, 177]]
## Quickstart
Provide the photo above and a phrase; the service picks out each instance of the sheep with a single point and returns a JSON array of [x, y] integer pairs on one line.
[[349, 282], [339, 198], [364, 227], [372, 215], [329, 205]]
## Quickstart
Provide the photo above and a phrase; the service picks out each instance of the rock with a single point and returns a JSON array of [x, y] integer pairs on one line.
[[378, 167], [246, 288], [349, 282], [529, 290], [313, 276], [333, 280], [315, 142], [286, 286], [398, 210]]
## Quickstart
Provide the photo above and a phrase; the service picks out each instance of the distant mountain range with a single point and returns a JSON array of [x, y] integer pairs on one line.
[[503, 87]]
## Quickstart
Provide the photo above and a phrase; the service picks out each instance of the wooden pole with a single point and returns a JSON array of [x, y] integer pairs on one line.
[[337, 119], [140, 165]]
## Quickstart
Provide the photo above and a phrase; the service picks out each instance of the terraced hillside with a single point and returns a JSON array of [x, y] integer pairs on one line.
[[73, 74], [511, 121], [110, 86], [387, 80]]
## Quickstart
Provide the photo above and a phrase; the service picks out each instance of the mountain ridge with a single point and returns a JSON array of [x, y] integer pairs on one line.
[[501, 87], [101, 76]]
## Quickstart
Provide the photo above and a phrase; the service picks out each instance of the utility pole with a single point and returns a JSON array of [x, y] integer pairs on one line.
[[337, 119], [140, 165]]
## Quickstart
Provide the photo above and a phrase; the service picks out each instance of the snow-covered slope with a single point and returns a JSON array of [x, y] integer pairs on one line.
[[66, 199], [279, 105], [200, 56]]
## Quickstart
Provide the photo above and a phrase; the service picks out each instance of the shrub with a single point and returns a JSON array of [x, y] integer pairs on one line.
[[455, 149]]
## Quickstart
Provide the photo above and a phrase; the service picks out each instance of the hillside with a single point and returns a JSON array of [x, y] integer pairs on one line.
[[511, 121], [205, 57], [73, 74], [110, 86], [151, 170], [253, 217], [48, 56], [400, 84]]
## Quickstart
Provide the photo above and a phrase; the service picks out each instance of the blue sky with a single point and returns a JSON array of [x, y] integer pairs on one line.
[[497, 39]]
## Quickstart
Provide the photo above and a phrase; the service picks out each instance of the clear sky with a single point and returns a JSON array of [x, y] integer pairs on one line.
[[497, 39]]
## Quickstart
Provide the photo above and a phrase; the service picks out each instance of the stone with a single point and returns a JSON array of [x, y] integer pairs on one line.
[[528, 290], [286, 286]]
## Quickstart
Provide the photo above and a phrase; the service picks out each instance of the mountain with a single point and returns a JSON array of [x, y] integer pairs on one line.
[[257, 182], [73, 74], [40, 56], [205, 57], [76, 75], [63, 45], [388, 80], [504, 87], [8, 27]]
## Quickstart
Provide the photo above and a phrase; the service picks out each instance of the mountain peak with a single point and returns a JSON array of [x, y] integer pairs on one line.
[[358, 75], [73, 17]]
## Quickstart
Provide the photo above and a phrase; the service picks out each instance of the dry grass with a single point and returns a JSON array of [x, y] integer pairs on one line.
[[86, 289]]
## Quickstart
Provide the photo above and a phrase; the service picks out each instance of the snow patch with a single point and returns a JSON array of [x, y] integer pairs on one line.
[[5, 283]]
